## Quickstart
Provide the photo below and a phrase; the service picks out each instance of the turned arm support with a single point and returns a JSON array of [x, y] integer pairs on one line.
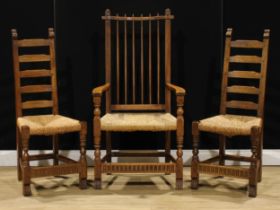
[[180, 93], [97, 92], [178, 90]]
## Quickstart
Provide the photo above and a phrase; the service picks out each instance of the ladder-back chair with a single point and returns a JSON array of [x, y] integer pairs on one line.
[[138, 93], [242, 90], [36, 92]]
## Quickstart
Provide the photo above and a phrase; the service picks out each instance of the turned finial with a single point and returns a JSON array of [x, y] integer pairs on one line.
[[14, 34]]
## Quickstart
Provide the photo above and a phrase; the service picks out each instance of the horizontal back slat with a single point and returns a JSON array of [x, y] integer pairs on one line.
[[251, 44], [34, 58], [36, 88], [245, 59], [139, 18], [35, 73], [135, 107], [242, 89], [244, 74], [37, 104], [242, 105], [33, 42]]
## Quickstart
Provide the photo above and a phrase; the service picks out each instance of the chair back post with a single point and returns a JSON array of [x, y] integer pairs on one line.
[[263, 72], [108, 57], [167, 58], [53, 71], [16, 73], [225, 71]]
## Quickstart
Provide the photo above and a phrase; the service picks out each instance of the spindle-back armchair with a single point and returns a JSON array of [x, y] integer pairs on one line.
[[138, 92]]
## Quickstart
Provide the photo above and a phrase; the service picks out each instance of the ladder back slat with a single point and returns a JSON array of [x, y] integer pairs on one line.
[[37, 104], [35, 73], [34, 58], [36, 88], [33, 42], [242, 89], [242, 105], [251, 44], [244, 74], [245, 59]]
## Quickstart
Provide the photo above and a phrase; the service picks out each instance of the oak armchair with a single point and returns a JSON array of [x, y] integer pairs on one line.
[[134, 97]]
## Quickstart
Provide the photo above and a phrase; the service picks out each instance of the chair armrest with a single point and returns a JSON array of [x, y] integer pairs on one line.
[[178, 90], [99, 90], [97, 94], [180, 95]]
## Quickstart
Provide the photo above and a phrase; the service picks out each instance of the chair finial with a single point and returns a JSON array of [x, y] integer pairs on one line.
[[14, 33], [107, 12], [167, 11], [229, 32], [266, 33], [51, 33]]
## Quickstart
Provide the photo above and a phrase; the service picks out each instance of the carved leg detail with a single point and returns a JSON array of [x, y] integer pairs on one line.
[[97, 168], [25, 135], [97, 139], [255, 138], [180, 140]]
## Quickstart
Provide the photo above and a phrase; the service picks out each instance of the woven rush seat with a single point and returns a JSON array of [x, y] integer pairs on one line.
[[229, 125], [49, 124], [138, 122]]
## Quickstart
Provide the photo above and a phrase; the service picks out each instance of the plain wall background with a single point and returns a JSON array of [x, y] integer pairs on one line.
[[197, 52]]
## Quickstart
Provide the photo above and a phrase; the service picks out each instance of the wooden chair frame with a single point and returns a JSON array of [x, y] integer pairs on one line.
[[24, 171], [104, 164], [254, 172]]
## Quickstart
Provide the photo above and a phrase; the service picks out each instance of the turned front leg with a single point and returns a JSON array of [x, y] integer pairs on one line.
[[253, 174], [97, 139], [180, 140], [26, 176]]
